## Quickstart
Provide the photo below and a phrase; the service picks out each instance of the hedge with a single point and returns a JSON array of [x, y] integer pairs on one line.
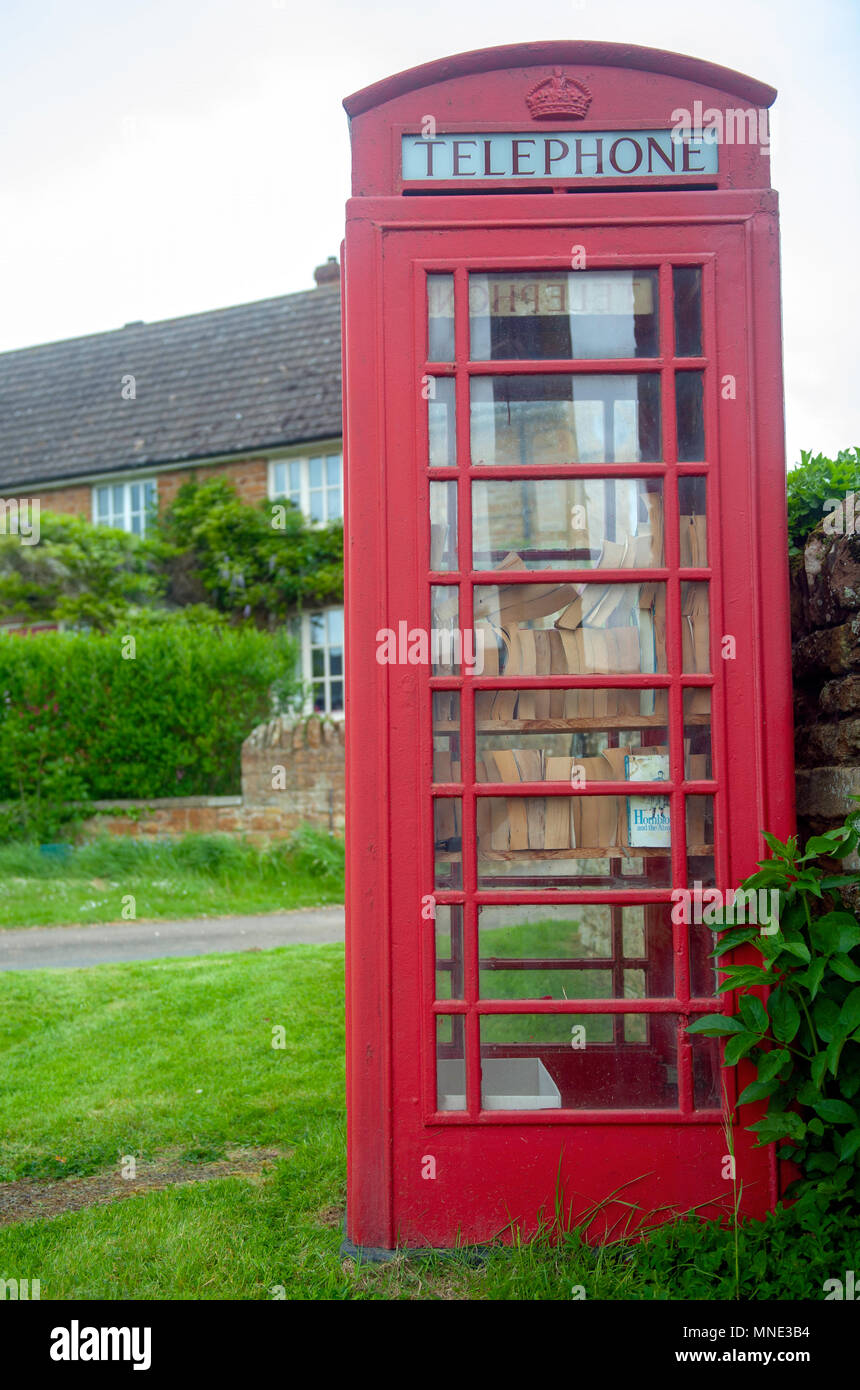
[[81, 720]]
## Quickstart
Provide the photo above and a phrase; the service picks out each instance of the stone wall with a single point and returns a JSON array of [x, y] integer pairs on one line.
[[292, 771], [825, 619]]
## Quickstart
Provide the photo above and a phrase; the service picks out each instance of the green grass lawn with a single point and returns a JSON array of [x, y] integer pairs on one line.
[[192, 876], [175, 1058]]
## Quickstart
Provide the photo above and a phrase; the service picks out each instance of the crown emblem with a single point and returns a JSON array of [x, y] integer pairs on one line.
[[558, 96]]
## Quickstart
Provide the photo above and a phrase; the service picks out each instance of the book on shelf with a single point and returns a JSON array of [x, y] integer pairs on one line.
[[649, 823], [694, 541]]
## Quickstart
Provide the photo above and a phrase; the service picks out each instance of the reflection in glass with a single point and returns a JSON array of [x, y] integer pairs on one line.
[[692, 506], [687, 290], [588, 418], [443, 526], [708, 1075], [695, 629], [448, 841], [700, 840], [440, 318], [449, 951], [450, 1062], [690, 416], [590, 629], [445, 640], [579, 1061], [557, 314], [559, 722], [697, 734], [441, 421], [568, 523], [446, 735]]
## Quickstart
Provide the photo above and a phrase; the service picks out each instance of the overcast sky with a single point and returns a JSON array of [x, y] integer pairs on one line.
[[162, 157]]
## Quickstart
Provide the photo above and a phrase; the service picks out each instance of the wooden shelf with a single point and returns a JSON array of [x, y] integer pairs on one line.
[[569, 726], [603, 852]]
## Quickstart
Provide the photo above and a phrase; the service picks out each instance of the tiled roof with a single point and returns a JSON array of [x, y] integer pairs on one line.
[[231, 381]]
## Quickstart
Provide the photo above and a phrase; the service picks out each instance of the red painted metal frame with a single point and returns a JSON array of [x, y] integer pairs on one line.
[[496, 1167]]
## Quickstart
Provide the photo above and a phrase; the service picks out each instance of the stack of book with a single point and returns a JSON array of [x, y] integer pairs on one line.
[[598, 823]]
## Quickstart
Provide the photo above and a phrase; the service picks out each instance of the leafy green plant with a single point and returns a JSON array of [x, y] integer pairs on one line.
[[811, 483], [804, 1038]]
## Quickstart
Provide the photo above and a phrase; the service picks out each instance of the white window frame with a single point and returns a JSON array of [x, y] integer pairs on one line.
[[126, 484], [302, 630], [302, 495]]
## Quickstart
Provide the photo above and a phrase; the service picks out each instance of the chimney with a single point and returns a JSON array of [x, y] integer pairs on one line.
[[328, 274]]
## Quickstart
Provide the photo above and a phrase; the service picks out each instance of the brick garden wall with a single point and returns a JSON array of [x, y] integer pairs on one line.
[[825, 617], [292, 771]]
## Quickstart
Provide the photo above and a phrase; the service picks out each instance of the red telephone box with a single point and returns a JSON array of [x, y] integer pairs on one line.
[[566, 573]]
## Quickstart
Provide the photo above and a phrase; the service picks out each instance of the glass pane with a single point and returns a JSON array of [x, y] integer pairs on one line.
[[565, 841], [687, 286], [333, 468], [574, 952], [708, 1075], [295, 476], [150, 493], [446, 736], [447, 839], [700, 840], [334, 619], [443, 526], [450, 1063], [697, 735], [318, 662], [319, 697], [695, 629], [440, 318], [118, 504], [441, 422], [317, 627], [563, 722], [315, 472], [136, 497], [446, 639], [579, 1061], [279, 479], [703, 969], [692, 505], [317, 507], [449, 951], [102, 504], [336, 693], [334, 505], [557, 314], [690, 417], [567, 523], [589, 418], [599, 754], [600, 629], [335, 661]]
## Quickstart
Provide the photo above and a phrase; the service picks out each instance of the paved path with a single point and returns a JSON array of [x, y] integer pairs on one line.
[[34, 948]]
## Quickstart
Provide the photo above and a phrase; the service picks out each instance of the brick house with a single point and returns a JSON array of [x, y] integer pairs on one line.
[[110, 425]]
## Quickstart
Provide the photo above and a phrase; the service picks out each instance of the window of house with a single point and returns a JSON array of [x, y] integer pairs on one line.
[[126, 506], [314, 484], [321, 637]]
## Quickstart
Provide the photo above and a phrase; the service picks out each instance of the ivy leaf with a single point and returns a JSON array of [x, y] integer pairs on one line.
[[836, 1112], [753, 1012], [844, 966], [849, 1014], [738, 1046], [741, 976], [771, 1063], [757, 1090], [835, 932], [848, 1144], [796, 948], [826, 1016], [733, 939], [818, 1067], [811, 978], [784, 1015], [781, 1124], [716, 1026]]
